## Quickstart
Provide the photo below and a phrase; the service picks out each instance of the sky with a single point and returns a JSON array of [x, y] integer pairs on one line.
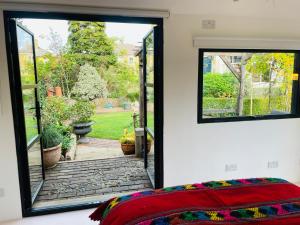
[[130, 33]]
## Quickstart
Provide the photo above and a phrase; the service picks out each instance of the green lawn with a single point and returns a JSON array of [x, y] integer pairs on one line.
[[106, 126], [112, 125], [31, 127]]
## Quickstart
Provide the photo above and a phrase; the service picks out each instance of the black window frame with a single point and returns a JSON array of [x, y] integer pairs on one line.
[[15, 102], [295, 103]]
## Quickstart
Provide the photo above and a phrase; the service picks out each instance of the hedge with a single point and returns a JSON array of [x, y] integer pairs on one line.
[[219, 103], [260, 105]]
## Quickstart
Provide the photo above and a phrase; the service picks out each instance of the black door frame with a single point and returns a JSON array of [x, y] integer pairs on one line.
[[16, 97], [21, 141], [146, 130], [37, 102], [157, 182]]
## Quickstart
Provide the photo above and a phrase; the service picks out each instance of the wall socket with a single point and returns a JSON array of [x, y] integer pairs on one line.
[[230, 167], [208, 24], [273, 164], [1, 192]]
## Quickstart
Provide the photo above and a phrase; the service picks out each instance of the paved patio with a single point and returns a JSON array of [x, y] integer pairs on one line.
[[94, 148], [79, 181]]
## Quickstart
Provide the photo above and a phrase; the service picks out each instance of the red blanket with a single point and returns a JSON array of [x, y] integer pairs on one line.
[[260, 201]]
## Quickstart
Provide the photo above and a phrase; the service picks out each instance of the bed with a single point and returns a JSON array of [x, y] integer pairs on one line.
[[261, 201]]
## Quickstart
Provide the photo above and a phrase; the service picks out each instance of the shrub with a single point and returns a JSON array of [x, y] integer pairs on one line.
[[66, 145], [82, 111], [260, 105], [42, 90], [67, 140], [51, 137], [89, 85], [219, 85], [127, 138], [122, 81], [219, 103], [133, 96], [55, 111]]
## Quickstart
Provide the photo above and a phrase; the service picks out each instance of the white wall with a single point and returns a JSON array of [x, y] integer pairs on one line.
[[193, 152], [199, 152], [10, 205]]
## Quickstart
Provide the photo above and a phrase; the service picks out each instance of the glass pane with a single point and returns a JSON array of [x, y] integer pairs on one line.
[[150, 81], [25, 47], [237, 84], [26, 59], [149, 44], [150, 59], [35, 167], [150, 159], [150, 109], [31, 123]]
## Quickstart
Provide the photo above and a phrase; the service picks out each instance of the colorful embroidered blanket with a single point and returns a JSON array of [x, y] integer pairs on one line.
[[260, 201]]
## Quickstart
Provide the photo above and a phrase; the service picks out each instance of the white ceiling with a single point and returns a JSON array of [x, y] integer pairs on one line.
[[248, 8]]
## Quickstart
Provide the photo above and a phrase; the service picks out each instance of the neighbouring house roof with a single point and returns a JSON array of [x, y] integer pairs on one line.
[[131, 49], [28, 51], [138, 51], [41, 52]]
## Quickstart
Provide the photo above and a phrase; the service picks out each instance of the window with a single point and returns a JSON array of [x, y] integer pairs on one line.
[[237, 85]]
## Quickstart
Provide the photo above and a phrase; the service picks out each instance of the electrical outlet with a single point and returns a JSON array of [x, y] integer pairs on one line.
[[273, 164], [230, 167], [1, 192], [208, 24]]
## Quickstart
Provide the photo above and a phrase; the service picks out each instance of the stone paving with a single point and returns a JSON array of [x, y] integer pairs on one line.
[[77, 179], [94, 148]]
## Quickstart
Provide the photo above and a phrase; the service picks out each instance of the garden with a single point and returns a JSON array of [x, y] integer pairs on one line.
[[73, 79], [255, 84]]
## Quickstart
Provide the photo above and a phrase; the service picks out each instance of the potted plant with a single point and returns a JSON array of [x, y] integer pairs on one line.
[[51, 142], [65, 131], [82, 112], [128, 143]]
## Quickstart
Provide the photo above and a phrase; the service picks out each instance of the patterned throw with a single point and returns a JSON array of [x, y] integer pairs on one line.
[[245, 201], [226, 215], [189, 187]]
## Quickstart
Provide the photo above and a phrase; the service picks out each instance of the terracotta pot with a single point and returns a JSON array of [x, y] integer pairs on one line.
[[50, 92], [128, 149], [51, 156], [58, 91]]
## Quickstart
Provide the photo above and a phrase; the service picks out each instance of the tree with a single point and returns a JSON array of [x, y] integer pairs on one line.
[[274, 68], [122, 81], [62, 74], [88, 43], [240, 74], [89, 85]]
